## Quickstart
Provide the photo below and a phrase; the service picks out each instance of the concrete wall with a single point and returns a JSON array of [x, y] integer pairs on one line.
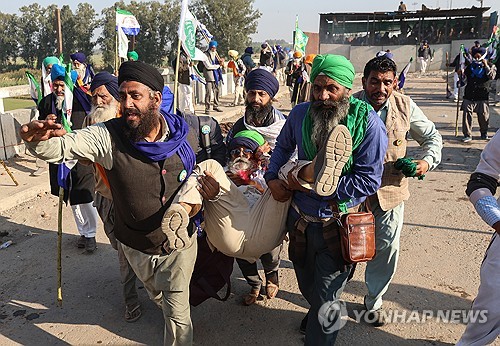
[[313, 43], [359, 55], [10, 124]]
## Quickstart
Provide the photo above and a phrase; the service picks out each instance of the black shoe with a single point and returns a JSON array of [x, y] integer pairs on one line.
[[485, 137], [90, 244], [81, 242], [207, 111], [218, 110], [303, 324], [376, 318]]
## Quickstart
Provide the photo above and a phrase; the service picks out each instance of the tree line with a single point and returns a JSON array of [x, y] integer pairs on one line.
[[31, 35]]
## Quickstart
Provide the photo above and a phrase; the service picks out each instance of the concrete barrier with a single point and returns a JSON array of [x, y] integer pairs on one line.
[[13, 91]]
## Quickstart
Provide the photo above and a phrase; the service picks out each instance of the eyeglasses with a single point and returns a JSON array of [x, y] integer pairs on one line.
[[237, 152]]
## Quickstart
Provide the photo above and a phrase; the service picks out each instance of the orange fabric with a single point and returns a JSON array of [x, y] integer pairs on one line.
[[232, 65], [103, 175]]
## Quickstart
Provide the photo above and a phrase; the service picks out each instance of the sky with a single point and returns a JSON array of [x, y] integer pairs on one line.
[[278, 16]]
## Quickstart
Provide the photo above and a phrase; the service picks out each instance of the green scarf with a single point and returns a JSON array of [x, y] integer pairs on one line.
[[355, 121]]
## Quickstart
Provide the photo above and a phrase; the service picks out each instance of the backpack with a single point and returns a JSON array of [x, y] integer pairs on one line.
[[212, 271]]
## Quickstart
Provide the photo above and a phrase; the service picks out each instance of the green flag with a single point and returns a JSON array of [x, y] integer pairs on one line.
[[300, 38]]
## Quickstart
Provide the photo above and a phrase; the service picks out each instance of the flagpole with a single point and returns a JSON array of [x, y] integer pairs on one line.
[[176, 80], [116, 53]]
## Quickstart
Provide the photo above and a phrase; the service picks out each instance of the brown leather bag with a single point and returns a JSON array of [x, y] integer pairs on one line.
[[357, 236]]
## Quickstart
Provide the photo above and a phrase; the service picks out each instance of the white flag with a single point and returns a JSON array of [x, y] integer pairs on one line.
[[187, 30], [122, 43]]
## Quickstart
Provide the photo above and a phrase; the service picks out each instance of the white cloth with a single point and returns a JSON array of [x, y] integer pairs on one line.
[[455, 85], [185, 98], [271, 132], [86, 219], [488, 298]]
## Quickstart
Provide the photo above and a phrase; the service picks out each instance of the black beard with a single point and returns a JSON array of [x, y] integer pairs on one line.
[[255, 114], [149, 120], [326, 115]]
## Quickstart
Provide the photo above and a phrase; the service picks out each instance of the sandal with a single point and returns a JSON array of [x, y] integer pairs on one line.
[[251, 298], [134, 314], [271, 289]]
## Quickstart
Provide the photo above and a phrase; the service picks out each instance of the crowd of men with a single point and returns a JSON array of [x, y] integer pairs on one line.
[[151, 170]]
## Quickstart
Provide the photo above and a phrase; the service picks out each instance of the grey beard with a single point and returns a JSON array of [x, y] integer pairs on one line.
[[256, 115], [59, 102], [326, 115], [99, 114], [240, 164]]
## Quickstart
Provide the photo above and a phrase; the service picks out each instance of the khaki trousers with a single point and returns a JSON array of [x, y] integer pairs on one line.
[[231, 226], [166, 279]]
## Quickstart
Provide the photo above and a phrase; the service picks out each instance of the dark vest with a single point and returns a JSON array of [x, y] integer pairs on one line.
[[142, 191]]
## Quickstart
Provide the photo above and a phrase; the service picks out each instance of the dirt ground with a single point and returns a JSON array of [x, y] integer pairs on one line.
[[442, 246]]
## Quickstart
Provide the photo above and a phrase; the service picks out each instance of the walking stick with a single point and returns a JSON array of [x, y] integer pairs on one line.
[[458, 107], [448, 92], [9, 173], [59, 245]]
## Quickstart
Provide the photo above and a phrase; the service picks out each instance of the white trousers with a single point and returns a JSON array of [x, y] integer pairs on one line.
[[231, 225], [479, 332], [423, 64], [86, 219], [185, 98]]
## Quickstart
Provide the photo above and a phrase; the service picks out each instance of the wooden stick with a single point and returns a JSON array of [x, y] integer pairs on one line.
[[59, 247], [9, 173], [458, 107]]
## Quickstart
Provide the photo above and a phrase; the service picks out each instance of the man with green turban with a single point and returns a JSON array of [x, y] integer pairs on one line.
[[47, 64], [314, 235], [132, 56]]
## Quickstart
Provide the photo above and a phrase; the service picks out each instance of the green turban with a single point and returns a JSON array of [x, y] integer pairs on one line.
[[253, 135], [337, 67], [133, 55], [50, 60]]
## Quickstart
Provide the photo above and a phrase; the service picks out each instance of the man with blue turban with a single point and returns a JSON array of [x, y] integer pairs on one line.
[[264, 119], [85, 70], [314, 235], [213, 75], [479, 74], [81, 187]]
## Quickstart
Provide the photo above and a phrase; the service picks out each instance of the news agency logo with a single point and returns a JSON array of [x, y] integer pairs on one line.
[[332, 316]]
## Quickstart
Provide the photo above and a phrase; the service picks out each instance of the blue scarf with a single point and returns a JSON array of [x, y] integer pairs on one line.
[[477, 69], [176, 144]]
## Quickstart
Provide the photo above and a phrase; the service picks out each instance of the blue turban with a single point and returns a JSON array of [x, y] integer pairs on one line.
[[262, 79], [79, 56], [213, 43], [108, 80], [480, 50], [249, 50], [57, 72]]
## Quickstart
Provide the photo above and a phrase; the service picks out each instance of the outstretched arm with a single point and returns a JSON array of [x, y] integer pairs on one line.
[[42, 130]]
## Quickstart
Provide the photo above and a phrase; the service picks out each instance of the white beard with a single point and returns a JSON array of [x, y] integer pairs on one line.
[[59, 102], [102, 113]]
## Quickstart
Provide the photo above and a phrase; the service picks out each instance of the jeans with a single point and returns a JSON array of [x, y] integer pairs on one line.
[[321, 276]]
